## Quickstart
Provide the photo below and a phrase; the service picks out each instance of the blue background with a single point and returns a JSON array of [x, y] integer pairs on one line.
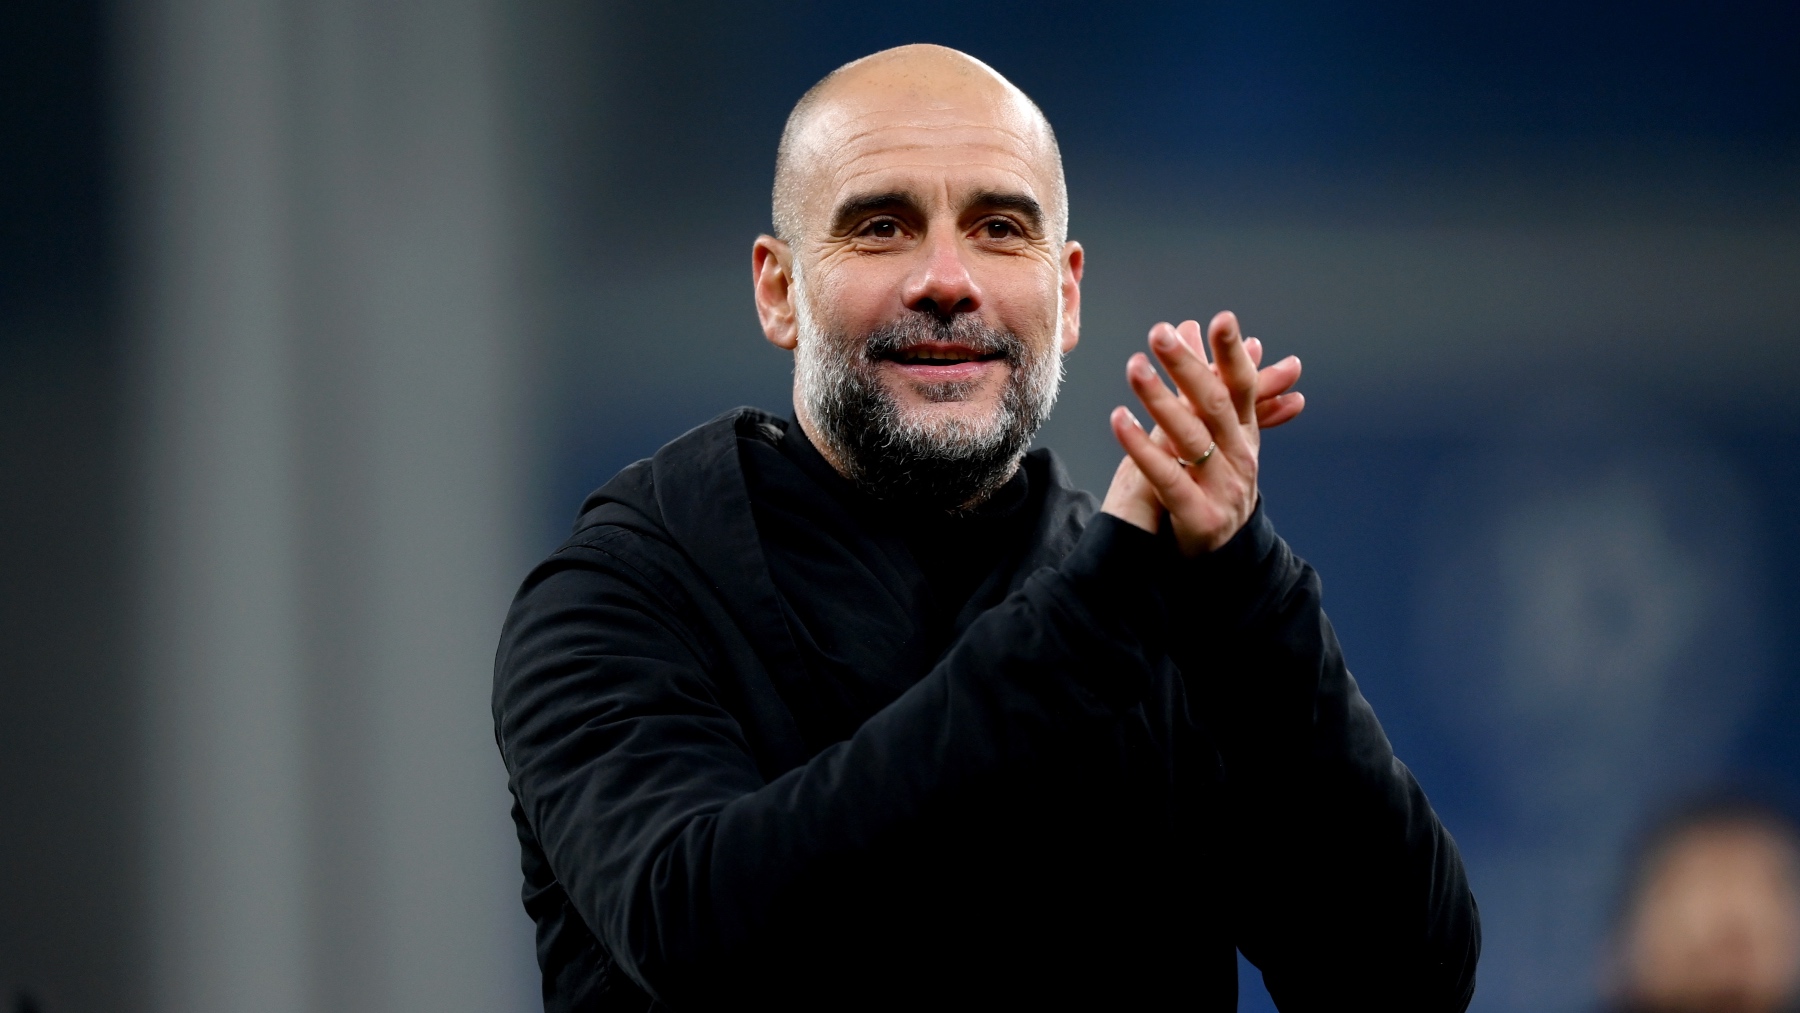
[[1542, 262]]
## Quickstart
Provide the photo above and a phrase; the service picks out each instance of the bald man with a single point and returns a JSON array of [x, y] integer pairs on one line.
[[869, 708]]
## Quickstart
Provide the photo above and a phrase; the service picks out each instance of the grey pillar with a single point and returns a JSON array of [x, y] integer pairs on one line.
[[332, 504]]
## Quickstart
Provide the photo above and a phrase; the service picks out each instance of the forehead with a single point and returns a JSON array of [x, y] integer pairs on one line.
[[899, 140], [1735, 849]]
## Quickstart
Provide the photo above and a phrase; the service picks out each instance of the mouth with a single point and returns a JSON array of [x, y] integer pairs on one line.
[[940, 355]]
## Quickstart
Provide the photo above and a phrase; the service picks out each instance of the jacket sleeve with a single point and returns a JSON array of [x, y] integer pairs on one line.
[[1348, 891], [646, 800]]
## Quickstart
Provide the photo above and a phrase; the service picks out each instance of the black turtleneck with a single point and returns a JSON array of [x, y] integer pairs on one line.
[[937, 571]]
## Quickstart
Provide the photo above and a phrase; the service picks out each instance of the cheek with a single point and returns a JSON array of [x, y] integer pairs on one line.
[[1027, 302], [856, 294]]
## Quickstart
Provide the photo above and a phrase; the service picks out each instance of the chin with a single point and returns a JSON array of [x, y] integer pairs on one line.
[[967, 417]]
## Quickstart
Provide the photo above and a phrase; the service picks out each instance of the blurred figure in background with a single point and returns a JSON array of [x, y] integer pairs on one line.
[[1712, 922]]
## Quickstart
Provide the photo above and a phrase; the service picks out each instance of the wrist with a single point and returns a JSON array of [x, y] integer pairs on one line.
[[1130, 499], [1224, 581], [1247, 545], [1195, 543]]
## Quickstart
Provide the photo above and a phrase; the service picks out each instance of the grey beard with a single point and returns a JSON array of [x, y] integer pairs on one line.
[[948, 464]]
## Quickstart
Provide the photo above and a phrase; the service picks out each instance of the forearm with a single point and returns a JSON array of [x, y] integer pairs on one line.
[[1352, 877]]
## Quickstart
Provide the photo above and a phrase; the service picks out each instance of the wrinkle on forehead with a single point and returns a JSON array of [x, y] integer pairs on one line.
[[870, 129], [907, 147], [963, 175]]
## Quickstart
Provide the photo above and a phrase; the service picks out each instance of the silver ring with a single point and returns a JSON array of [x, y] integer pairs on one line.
[[1185, 463]]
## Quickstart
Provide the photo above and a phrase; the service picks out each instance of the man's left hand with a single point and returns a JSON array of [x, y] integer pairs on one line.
[[1201, 464]]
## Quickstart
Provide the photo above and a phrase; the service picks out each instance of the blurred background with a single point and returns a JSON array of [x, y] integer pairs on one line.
[[318, 317]]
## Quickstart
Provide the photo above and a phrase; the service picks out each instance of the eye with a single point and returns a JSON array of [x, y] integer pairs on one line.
[[882, 228], [998, 228]]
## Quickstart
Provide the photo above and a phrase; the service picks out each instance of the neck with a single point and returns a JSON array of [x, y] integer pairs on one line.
[[817, 438]]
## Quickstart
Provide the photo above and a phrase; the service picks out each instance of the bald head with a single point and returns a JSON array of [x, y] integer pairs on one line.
[[914, 96], [921, 273]]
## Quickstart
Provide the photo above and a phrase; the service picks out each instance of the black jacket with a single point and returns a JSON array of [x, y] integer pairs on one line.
[[1124, 768]]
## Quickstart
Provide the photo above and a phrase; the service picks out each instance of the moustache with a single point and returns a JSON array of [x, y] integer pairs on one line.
[[894, 340]]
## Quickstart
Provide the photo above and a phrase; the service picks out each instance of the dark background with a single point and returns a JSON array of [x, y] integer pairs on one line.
[[1542, 262]]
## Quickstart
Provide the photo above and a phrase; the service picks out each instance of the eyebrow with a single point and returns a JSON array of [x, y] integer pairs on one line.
[[853, 209], [1021, 204]]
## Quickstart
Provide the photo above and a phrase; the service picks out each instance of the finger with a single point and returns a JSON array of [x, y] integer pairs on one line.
[[1160, 468], [1206, 392], [1279, 378], [1255, 348], [1235, 367], [1160, 437], [1190, 332], [1188, 436], [1273, 411]]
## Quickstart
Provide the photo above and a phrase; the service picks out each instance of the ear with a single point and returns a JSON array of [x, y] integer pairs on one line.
[[772, 277], [1072, 261]]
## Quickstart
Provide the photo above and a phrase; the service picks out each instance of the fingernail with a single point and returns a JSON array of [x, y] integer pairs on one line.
[[1140, 368], [1134, 420], [1162, 340]]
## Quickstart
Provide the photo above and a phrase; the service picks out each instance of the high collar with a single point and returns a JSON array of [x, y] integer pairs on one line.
[[693, 489], [796, 446]]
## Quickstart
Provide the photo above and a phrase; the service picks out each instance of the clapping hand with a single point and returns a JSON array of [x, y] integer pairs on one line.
[[1200, 464]]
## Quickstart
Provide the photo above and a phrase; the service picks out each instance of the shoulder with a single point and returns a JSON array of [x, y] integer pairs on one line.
[[657, 525], [631, 498]]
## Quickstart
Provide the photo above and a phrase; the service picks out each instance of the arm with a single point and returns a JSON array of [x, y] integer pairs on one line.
[[645, 798], [1350, 887]]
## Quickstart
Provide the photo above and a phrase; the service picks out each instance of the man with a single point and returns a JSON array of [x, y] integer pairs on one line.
[[1712, 924], [870, 709]]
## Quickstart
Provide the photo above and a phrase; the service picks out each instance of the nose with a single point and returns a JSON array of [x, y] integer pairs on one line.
[[941, 283]]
